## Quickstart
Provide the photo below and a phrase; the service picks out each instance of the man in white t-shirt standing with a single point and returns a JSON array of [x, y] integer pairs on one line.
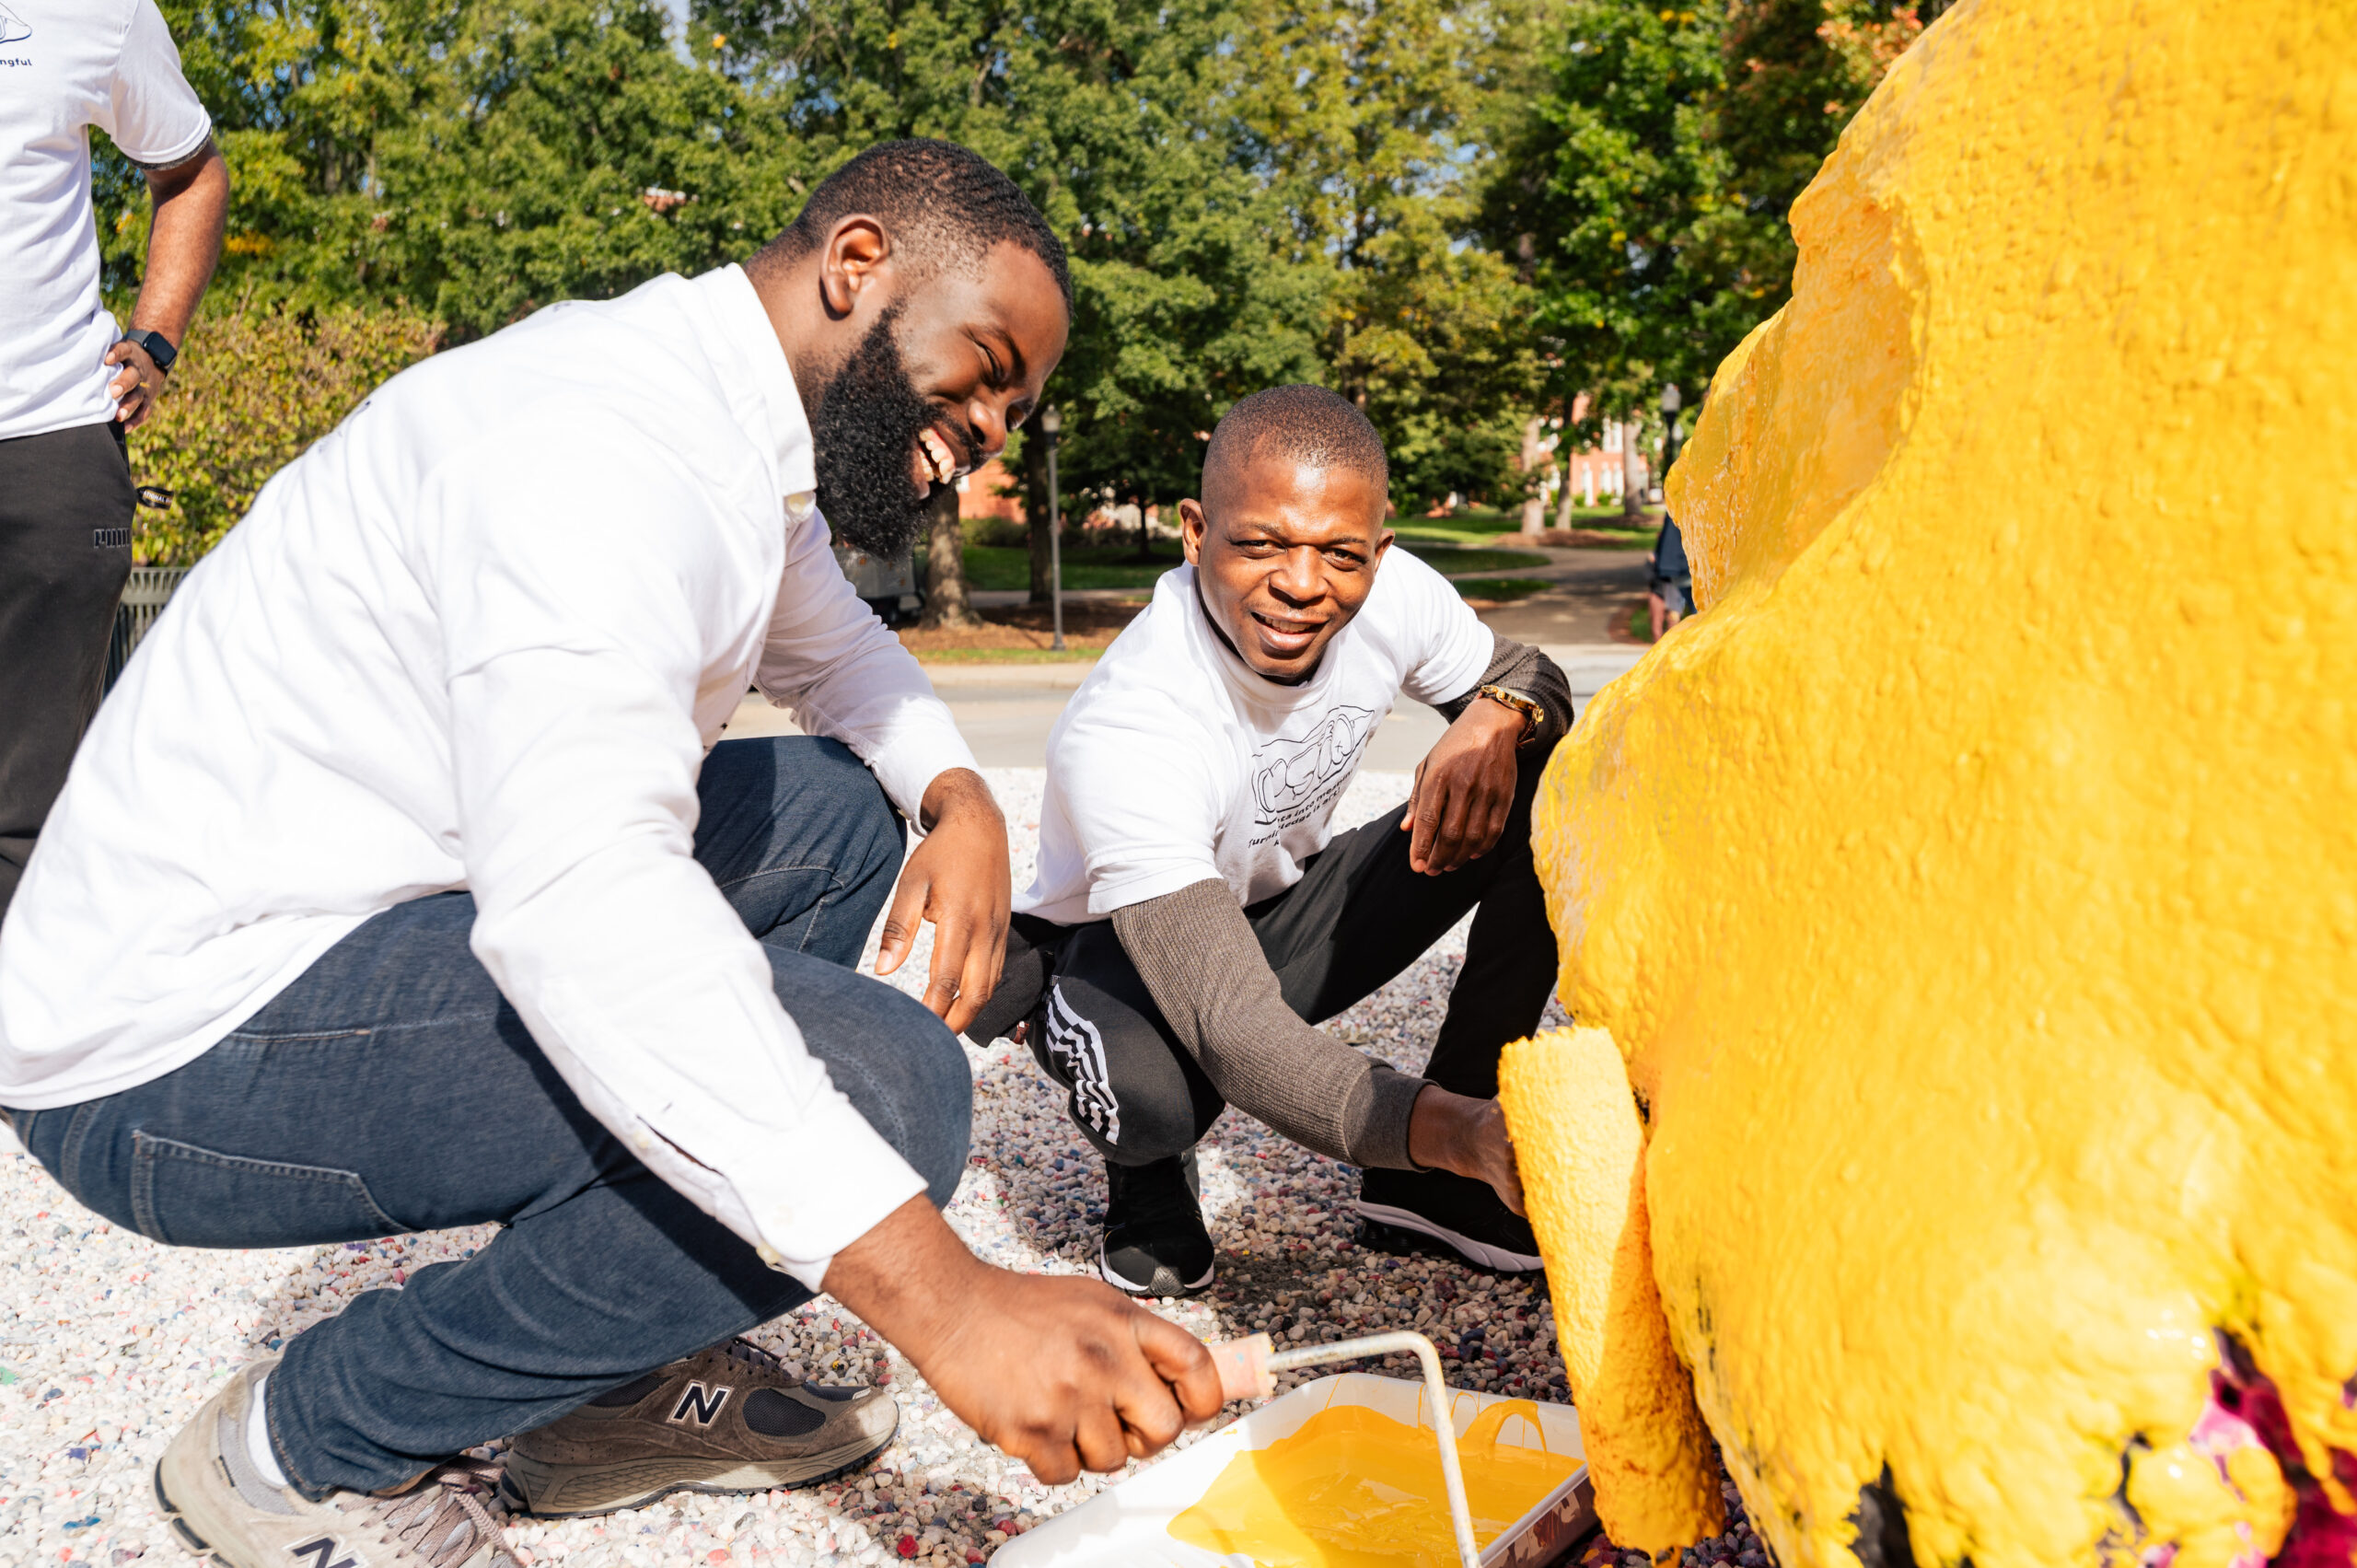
[[70, 384], [1194, 912]]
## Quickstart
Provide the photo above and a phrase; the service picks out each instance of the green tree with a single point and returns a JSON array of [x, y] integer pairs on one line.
[[478, 159], [1367, 118], [1611, 186], [1648, 164]]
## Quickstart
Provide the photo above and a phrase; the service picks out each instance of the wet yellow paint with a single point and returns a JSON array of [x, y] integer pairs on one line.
[[1352, 1488], [1970, 890]]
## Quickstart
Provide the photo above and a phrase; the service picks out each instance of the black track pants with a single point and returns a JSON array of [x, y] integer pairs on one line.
[[1358, 917], [66, 507]]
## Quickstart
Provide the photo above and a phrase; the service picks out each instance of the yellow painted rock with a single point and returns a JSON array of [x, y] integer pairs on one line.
[[1584, 1174], [1971, 888]]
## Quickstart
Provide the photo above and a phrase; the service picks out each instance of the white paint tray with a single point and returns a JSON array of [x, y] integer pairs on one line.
[[1128, 1525]]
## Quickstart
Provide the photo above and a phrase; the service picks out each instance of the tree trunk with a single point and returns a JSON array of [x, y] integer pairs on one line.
[[1034, 512], [946, 607], [1632, 473], [1534, 500]]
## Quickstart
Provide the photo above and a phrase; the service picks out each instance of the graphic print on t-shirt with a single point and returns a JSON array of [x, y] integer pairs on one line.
[[1294, 776], [12, 27]]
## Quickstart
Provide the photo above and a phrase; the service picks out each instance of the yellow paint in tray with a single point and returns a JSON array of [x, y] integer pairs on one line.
[[1352, 1488]]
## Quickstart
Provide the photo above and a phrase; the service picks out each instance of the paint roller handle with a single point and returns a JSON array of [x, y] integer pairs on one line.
[[1244, 1372]]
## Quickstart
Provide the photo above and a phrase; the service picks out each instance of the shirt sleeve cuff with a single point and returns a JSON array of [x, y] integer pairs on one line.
[[1381, 1140], [835, 1180], [174, 156], [907, 767]]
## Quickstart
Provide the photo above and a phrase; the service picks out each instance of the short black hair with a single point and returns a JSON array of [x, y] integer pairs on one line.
[[946, 204], [1307, 424]]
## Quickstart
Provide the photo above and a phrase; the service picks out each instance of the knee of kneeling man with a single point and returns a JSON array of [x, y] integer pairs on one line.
[[931, 1114]]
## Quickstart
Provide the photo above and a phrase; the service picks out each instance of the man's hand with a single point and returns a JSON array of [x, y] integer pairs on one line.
[[1064, 1373], [1464, 789], [1450, 1131], [136, 388], [959, 880]]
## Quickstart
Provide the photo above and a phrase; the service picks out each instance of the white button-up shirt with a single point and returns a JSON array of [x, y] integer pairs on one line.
[[482, 637]]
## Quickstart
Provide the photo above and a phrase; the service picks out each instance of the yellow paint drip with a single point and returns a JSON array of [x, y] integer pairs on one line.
[[1352, 1488], [1971, 888]]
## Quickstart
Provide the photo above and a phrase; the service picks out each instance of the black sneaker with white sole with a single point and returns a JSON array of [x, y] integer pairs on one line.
[[1408, 1210], [1155, 1241]]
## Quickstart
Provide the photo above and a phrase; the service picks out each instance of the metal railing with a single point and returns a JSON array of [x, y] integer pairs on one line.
[[144, 597]]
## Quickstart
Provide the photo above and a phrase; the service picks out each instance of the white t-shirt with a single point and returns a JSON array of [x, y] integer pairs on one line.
[[1174, 762], [66, 65]]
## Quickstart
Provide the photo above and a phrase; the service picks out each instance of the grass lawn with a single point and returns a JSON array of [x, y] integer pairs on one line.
[[1500, 590], [1085, 566], [1452, 559], [1482, 525]]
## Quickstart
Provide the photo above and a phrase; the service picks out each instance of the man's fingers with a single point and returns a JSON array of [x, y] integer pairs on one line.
[[950, 938], [1053, 1463], [901, 920], [1103, 1444], [1447, 851], [977, 978], [1180, 1361], [1426, 817]]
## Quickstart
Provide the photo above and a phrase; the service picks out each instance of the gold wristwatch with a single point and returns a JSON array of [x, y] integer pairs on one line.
[[1532, 714]]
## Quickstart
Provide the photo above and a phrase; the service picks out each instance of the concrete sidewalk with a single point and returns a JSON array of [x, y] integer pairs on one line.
[[1006, 710]]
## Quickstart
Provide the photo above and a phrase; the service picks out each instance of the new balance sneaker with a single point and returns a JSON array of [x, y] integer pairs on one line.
[[223, 1507], [1424, 1209], [728, 1418], [1155, 1241]]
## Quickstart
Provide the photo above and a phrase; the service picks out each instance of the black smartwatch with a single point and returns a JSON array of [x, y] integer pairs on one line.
[[159, 347]]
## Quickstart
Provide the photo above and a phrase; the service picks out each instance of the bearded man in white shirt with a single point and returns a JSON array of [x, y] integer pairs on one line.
[[401, 886]]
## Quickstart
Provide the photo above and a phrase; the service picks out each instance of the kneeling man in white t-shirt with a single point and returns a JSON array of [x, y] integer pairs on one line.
[[1194, 914]]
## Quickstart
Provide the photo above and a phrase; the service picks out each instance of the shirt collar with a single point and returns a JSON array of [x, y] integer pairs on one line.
[[779, 421]]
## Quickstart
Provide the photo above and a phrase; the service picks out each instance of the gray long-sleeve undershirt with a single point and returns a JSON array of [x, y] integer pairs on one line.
[[1204, 967]]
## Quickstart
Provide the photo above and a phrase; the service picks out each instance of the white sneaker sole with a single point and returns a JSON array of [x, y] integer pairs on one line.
[[1465, 1246], [1130, 1287]]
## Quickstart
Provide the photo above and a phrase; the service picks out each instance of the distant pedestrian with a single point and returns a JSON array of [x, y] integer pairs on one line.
[[1670, 594], [70, 384]]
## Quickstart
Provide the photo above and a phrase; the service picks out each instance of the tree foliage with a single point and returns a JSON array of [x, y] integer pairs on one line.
[[1364, 116], [1648, 164]]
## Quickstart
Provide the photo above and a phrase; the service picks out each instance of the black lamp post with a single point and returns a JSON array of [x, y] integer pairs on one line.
[[1670, 403], [1051, 422]]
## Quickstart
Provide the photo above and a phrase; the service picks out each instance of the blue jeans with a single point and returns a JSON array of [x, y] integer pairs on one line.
[[392, 1088]]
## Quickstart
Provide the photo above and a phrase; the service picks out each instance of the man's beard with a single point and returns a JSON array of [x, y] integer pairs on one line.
[[864, 439]]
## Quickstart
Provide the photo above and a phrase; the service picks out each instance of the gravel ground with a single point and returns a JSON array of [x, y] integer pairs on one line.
[[108, 1342]]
